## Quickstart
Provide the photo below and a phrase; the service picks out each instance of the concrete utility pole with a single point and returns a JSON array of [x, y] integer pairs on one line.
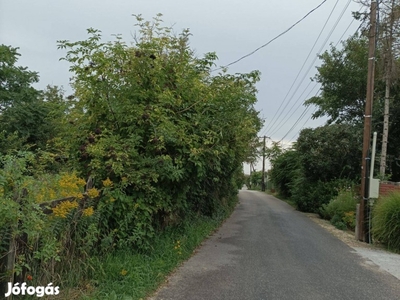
[[263, 168], [362, 220]]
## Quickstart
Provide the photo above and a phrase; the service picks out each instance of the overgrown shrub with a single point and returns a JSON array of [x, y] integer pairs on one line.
[[153, 119], [309, 196], [284, 171], [386, 221], [46, 245], [341, 210], [254, 180]]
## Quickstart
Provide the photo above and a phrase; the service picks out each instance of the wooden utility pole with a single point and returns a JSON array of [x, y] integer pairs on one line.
[[362, 220], [263, 168]]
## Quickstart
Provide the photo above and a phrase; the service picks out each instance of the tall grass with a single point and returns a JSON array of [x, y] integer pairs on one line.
[[129, 274], [386, 221]]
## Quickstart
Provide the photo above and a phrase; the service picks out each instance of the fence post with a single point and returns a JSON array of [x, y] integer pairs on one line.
[[7, 266]]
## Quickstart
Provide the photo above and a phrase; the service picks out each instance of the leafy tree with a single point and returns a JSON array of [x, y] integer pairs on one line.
[[330, 152], [37, 122], [28, 116], [342, 76], [15, 82], [152, 119], [329, 158], [285, 169], [322, 161]]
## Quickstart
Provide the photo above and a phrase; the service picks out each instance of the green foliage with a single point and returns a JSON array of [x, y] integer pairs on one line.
[[309, 195], [274, 152], [343, 76], [161, 139], [29, 118], [22, 112], [386, 221], [330, 152], [254, 181], [125, 273], [15, 82], [152, 119], [322, 161], [46, 245], [341, 211], [329, 160], [284, 171]]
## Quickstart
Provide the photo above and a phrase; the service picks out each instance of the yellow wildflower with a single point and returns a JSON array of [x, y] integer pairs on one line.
[[107, 183], [71, 185], [64, 208], [87, 212], [93, 193], [124, 272]]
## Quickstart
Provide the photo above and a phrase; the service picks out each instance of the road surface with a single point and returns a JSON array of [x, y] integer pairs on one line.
[[268, 250]]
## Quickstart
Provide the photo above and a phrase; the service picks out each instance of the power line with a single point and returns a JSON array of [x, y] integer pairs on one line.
[[299, 118], [312, 64], [302, 126], [269, 42], [273, 120], [298, 106], [316, 107], [316, 95]]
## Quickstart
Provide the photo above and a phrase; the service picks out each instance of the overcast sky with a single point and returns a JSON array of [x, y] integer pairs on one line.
[[230, 28]]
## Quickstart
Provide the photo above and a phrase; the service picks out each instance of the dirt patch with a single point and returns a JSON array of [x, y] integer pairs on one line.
[[348, 237]]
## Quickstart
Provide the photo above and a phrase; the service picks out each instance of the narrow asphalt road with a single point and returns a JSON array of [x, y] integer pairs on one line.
[[267, 250]]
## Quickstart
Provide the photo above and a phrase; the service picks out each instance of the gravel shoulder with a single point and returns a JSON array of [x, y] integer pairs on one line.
[[373, 254]]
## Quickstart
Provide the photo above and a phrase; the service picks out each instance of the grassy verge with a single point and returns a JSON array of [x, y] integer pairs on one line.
[[131, 275], [280, 197]]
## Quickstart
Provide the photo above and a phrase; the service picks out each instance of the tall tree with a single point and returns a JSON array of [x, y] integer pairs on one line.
[[15, 81], [342, 76], [28, 117], [389, 36]]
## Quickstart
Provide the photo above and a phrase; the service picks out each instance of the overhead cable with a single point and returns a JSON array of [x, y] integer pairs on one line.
[[273, 120], [269, 42], [312, 64]]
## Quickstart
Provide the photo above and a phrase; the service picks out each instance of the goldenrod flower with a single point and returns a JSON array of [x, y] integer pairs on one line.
[[71, 185], [64, 208], [93, 193], [107, 183], [87, 212]]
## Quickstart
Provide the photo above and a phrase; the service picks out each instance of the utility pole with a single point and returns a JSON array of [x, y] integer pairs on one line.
[[362, 220], [263, 168]]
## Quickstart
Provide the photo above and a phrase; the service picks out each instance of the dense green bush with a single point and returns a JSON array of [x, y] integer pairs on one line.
[[322, 161], [341, 210], [254, 180], [386, 221], [170, 136], [283, 173], [309, 196]]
